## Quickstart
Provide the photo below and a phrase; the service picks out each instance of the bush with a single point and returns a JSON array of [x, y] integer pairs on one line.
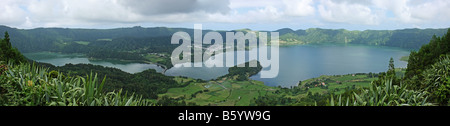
[[385, 94], [436, 80], [28, 85]]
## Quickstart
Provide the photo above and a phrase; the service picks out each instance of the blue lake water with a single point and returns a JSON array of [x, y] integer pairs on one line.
[[59, 59], [297, 63]]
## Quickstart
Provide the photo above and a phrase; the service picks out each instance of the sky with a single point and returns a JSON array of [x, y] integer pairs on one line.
[[227, 14]]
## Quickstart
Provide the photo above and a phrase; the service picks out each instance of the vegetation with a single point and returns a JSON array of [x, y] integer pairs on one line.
[[148, 83], [316, 91], [233, 89], [404, 58], [406, 38], [223, 92], [437, 81], [8, 53], [139, 43], [427, 68], [386, 94], [243, 73], [424, 82], [29, 85]]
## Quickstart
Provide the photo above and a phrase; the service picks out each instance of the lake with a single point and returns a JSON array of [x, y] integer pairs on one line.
[[310, 61], [59, 59], [297, 63]]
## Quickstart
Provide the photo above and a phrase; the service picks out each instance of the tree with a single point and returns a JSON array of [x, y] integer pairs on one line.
[[8, 53], [6, 39], [391, 70], [421, 60]]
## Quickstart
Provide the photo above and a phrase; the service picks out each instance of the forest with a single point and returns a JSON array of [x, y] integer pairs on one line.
[[8, 52], [243, 73], [404, 38]]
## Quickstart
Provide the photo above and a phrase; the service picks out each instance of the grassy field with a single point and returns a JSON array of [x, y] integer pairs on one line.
[[105, 39], [230, 92], [336, 83], [224, 92], [154, 58], [404, 58], [82, 42]]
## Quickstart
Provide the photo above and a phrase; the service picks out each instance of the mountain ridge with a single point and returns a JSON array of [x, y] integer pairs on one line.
[[55, 39]]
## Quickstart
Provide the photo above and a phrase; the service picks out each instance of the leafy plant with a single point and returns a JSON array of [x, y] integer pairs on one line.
[[385, 94], [436, 80], [29, 85]]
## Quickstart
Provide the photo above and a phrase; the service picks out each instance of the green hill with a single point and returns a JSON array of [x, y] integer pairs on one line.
[[405, 38]]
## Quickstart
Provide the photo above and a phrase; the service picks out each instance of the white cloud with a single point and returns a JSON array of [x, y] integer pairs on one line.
[[432, 10], [117, 13], [11, 13], [347, 13], [399, 8], [235, 4], [157, 7], [268, 14], [414, 12], [64, 13], [299, 7]]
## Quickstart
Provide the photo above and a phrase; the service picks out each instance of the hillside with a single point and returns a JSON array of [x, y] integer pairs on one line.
[[153, 44], [405, 38], [61, 39]]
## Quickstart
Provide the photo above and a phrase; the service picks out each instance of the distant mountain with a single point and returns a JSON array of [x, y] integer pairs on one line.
[[60, 39], [53, 39], [406, 38]]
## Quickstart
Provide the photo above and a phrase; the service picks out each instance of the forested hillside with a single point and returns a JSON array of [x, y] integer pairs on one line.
[[405, 38], [8, 52], [54, 39], [74, 40]]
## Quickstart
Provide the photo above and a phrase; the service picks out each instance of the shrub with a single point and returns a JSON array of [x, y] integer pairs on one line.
[[385, 94], [436, 80], [28, 85]]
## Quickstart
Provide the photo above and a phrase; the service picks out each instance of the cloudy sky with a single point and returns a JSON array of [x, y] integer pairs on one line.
[[227, 14]]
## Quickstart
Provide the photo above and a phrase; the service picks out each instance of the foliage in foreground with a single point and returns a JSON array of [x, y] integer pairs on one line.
[[28, 85], [386, 94], [437, 80]]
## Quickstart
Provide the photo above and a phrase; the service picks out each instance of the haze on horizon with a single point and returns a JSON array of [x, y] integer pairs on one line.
[[227, 14]]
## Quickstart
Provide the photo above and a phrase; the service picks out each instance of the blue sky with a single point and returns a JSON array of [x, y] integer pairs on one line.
[[228, 14]]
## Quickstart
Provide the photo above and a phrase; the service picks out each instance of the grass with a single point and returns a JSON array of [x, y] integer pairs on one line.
[[338, 83], [404, 58], [154, 58], [235, 93], [384, 94], [230, 92], [82, 42], [105, 39]]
